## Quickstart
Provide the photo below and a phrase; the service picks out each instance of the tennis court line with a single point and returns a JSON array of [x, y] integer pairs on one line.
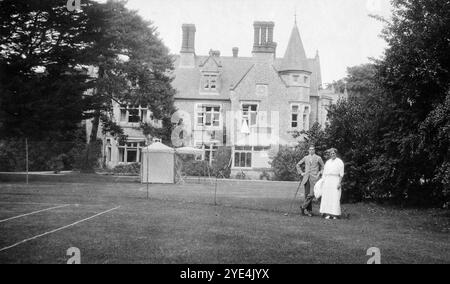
[[58, 229], [33, 203], [34, 212]]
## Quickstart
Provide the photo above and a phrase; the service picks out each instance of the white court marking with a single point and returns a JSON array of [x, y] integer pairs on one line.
[[34, 212], [59, 229], [32, 203]]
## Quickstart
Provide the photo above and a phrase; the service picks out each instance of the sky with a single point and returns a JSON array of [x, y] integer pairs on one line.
[[341, 30]]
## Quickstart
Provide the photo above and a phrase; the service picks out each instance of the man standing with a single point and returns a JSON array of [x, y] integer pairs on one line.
[[313, 169]]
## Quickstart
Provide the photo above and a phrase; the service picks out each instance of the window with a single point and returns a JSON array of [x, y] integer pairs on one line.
[[143, 115], [305, 79], [210, 152], [123, 114], [133, 114], [121, 155], [250, 114], [261, 148], [306, 118], [208, 115], [130, 152], [108, 150], [296, 78], [243, 157], [209, 82], [295, 115]]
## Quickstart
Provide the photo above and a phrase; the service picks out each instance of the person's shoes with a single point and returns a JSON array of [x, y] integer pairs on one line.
[[334, 218], [328, 217], [309, 214]]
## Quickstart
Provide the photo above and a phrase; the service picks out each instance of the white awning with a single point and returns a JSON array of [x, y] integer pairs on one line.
[[189, 151]]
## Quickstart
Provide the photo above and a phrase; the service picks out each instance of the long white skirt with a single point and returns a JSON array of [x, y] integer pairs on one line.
[[331, 196]]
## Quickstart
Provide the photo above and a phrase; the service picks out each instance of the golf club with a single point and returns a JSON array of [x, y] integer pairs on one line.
[[293, 200]]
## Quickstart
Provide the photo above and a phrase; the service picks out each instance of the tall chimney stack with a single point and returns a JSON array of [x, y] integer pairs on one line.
[[235, 52], [188, 40], [187, 53], [263, 41]]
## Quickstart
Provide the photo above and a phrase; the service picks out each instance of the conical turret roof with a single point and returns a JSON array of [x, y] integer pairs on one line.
[[295, 56]]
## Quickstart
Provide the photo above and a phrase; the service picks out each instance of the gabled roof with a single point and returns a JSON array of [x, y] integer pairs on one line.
[[295, 56], [187, 80], [210, 64]]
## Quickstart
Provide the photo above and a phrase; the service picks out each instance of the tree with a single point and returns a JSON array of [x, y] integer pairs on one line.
[[133, 68], [42, 83], [359, 80], [415, 76], [43, 48], [285, 161], [394, 138]]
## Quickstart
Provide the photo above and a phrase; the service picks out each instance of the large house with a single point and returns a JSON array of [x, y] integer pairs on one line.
[[251, 104]]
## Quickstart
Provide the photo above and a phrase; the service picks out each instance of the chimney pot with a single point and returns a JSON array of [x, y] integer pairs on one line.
[[215, 53], [235, 51]]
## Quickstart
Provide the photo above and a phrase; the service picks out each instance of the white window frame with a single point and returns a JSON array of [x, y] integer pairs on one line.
[[298, 113], [108, 154], [207, 147], [241, 152], [141, 110], [139, 146], [207, 79], [252, 151], [248, 117], [204, 114], [306, 115]]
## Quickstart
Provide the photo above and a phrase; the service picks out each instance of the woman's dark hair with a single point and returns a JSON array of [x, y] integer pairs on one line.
[[332, 150]]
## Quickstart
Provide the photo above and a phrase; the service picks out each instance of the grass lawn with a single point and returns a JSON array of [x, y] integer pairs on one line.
[[181, 224]]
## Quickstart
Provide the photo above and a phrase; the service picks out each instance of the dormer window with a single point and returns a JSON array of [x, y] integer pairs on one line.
[[296, 78], [210, 82], [305, 79]]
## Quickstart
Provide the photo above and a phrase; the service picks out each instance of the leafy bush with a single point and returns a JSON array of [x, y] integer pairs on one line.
[[195, 168], [221, 165], [285, 161], [127, 169], [241, 175], [47, 155], [264, 176]]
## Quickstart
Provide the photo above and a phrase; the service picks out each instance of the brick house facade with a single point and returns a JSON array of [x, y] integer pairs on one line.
[[251, 104]]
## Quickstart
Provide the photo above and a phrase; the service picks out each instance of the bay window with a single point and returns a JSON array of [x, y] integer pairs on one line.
[[295, 115], [243, 157], [306, 118], [130, 152]]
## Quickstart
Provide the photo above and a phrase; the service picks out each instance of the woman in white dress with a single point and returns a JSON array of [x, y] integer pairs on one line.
[[333, 173]]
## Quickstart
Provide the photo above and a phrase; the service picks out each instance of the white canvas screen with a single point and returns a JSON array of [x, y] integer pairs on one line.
[[159, 167]]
